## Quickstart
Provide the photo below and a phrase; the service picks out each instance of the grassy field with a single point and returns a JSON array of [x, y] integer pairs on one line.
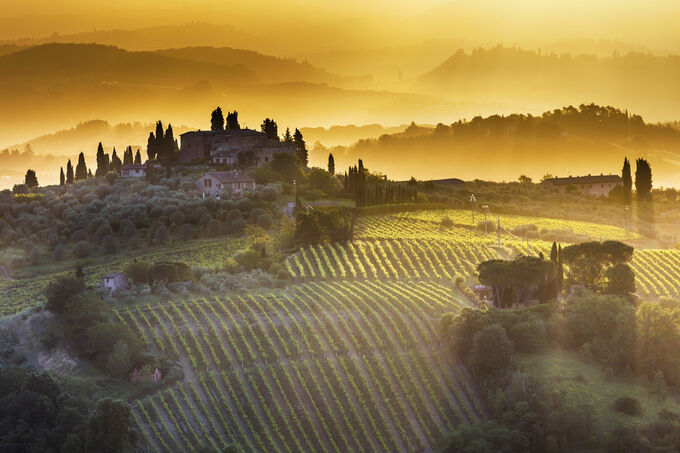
[[583, 381]]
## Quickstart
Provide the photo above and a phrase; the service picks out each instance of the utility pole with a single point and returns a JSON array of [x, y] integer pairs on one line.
[[486, 208], [499, 231], [473, 200]]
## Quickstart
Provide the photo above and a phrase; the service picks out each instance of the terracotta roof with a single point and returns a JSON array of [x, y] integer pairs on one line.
[[133, 167], [229, 176], [233, 132], [589, 179]]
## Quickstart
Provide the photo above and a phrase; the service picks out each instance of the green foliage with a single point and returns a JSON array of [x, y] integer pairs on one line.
[[603, 326], [217, 120], [643, 179], [270, 129], [60, 291], [627, 405], [39, 414], [587, 261], [325, 225], [109, 428], [491, 351], [485, 437], [620, 280], [31, 180]]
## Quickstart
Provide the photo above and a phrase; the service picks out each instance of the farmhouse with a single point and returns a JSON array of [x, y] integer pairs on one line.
[[215, 183], [133, 171], [137, 170], [114, 281], [599, 186], [224, 147]]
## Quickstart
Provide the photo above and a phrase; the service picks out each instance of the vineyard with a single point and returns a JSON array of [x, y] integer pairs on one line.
[[321, 366], [414, 246], [22, 293]]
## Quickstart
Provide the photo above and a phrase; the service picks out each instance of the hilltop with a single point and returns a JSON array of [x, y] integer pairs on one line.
[[567, 141]]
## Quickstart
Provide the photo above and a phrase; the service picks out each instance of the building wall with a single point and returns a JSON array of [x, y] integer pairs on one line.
[[596, 189], [211, 187]]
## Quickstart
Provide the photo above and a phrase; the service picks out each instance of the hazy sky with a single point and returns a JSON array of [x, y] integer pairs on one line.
[[313, 25]]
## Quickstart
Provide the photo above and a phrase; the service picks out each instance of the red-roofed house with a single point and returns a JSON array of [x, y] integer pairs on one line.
[[215, 183]]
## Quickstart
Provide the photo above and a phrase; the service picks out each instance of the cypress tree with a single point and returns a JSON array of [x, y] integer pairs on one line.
[[627, 181], [115, 163], [69, 172], [270, 129], [127, 156], [31, 179], [62, 178], [300, 148], [553, 253], [217, 120], [81, 168], [138, 158], [643, 179], [102, 161], [170, 148], [151, 147], [287, 137], [331, 164], [232, 120]]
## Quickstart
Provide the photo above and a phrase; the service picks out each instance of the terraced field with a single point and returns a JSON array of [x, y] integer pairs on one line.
[[319, 367]]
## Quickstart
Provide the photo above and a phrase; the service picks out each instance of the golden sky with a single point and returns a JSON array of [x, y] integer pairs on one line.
[[313, 25]]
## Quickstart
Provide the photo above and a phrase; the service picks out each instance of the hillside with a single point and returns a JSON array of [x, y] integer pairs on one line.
[[151, 38], [588, 139], [268, 68], [640, 82], [53, 86]]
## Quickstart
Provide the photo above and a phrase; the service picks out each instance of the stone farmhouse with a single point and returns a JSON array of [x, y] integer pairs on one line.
[[223, 147], [215, 183], [598, 186], [114, 281]]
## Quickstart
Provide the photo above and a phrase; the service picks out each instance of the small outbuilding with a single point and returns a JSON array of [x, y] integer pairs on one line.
[[115, 281]]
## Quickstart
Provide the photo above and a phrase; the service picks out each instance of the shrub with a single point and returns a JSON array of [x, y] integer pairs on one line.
[[60, 291], [628, 405], [491, 351], [528, 336], [81, 249], [110, 245], [138, 272]]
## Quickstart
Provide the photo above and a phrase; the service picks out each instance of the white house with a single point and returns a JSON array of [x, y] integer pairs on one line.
[[133, 171], [214, 183], [138, 170], [114, 281]]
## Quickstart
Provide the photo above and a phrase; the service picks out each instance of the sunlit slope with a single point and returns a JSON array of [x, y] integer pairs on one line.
[[416, 246], [320, 367]]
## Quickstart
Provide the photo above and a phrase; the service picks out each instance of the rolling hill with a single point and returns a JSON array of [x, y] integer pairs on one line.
[[640, 82]]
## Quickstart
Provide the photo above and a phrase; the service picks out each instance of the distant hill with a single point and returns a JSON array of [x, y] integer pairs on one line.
[[53, 86], [563, 142], [157, 37], [644, 83], [268, 68], [53, 63]]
